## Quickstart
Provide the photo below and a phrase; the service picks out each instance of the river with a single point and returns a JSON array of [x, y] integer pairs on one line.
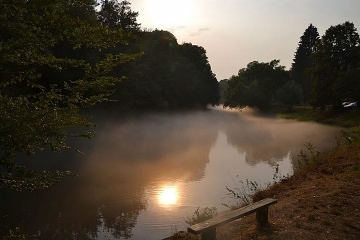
[[143, 175]]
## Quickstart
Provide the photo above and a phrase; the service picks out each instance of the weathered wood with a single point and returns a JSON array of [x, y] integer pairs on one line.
[[262, 216], [209, 227], [209, 234]]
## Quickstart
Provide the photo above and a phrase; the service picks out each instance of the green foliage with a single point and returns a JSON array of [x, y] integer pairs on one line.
[[237, 93], [17, 234], [347, 85], [337, 55], [307, 113], [349, 137], [19, 178], [118, 15], [55, 59], [246, 191], [58, 57], [201, 214], [327, 70], [255, 86], [182, 235], [289, 94], [223, 85], [308, 156]]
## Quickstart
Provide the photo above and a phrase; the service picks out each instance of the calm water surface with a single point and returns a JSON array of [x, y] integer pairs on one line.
[[142, 176]]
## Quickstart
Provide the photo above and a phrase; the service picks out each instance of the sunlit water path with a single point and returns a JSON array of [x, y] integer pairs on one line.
[[142, 176]]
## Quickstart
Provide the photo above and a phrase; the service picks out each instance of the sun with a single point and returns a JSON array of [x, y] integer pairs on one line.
[[169, 13], [168, 195]]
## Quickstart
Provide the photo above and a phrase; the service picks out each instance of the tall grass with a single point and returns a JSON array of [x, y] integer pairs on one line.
[[308, 156], [245, 192], [201, 214]]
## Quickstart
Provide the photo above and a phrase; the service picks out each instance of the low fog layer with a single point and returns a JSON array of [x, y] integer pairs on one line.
[[134, 156], [173, 145]]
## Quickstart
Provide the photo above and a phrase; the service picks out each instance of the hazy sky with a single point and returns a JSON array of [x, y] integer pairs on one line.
[[236, 32]]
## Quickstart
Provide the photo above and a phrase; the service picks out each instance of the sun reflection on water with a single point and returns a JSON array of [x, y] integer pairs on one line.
[[168, 195]]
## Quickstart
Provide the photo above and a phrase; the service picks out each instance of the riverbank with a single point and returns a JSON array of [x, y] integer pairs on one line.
[[321, 200]]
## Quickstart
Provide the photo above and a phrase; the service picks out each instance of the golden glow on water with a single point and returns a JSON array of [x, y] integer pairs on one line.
[[168, 195]]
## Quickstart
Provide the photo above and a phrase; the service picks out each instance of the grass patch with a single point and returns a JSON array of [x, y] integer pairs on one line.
[[201, 214], [246, 190], [181, 235], [344, 118]]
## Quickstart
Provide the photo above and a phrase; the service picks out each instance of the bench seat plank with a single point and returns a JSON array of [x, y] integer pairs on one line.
[[230, 216]]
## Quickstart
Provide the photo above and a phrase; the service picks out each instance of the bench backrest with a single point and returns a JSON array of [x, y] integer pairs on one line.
[[230, 216]]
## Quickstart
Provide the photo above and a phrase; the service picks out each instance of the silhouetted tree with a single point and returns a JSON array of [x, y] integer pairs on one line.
[[118, 15], [204, 85], [303, 61], [347, 85], [148, 82], [256, 85], [289, 94], [47, 75], [223, 84], [337, 53], [168, 75]]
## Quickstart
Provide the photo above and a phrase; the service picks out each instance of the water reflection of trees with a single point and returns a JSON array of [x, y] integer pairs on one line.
[[106, 198], [67, 212], [130, 154], [271, 140], [175, 146], [120, 221], [257, 143]]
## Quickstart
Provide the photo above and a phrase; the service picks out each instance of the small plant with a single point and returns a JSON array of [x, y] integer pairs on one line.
[[201, 214], [249, 188], [246, 192], [277, 177], [309, 156], [181, 235], [17, 234], [347, 138]]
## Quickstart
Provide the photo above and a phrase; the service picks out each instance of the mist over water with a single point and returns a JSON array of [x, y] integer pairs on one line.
[[144, 174]]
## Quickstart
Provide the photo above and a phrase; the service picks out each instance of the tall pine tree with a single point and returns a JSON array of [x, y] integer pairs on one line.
[[336, 59], [303, 61]]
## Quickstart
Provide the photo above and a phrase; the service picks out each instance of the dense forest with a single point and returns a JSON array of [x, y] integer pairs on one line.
[[325, 73], [60, 57], [167, 75]]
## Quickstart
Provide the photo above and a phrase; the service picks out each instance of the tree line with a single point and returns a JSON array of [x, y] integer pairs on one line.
[[167, 74], [325, 71], [59, 57]]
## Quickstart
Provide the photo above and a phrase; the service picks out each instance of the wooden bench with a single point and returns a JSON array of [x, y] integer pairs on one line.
[[207, 229]]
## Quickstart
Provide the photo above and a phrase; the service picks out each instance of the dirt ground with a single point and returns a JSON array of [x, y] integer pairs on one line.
[[318, 202]]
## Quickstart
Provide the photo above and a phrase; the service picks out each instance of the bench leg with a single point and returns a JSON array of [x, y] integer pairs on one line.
[[209, 235], [262, 217]]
